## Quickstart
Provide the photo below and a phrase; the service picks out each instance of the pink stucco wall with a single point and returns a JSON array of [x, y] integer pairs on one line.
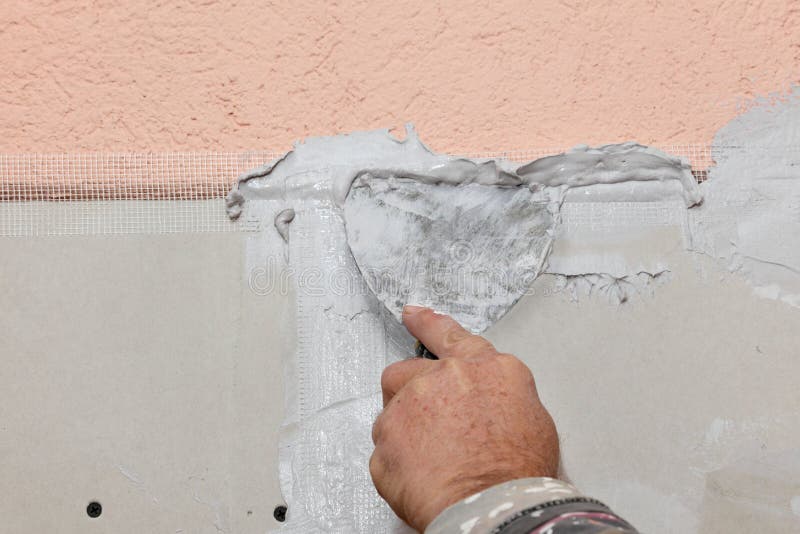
[[473, 75]]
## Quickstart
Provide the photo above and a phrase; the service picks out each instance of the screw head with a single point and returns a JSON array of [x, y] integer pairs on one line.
[[94, 509], [279, 513]]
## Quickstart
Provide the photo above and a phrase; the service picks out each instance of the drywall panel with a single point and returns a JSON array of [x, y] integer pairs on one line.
[[144, 371], [140, 372], [679, 408]]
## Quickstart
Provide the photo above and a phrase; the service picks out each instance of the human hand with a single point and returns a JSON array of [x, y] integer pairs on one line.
[[456, 426]]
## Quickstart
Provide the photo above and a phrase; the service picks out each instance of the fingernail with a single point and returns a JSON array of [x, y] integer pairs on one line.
[[409, 309]]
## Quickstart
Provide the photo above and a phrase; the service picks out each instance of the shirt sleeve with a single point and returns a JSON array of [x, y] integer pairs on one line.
[[529, 506]]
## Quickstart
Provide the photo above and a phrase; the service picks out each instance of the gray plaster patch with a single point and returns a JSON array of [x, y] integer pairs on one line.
[[750, 219]]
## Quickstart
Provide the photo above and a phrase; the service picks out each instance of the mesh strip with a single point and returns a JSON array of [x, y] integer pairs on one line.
[[91, 193], [128, 176]]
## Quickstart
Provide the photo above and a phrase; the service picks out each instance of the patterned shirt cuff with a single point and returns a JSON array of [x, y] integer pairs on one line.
[[482, 512]]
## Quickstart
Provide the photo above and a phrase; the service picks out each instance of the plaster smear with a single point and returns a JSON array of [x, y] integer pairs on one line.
[[616, 250], [621, 168], [613, 209], [345, 336], [750, 220], [610, 212], [631, 180]]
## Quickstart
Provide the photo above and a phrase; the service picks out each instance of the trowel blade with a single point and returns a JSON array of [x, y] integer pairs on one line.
[[470, 251]]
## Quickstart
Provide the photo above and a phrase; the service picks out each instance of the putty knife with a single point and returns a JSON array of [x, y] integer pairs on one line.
[[470, 251]]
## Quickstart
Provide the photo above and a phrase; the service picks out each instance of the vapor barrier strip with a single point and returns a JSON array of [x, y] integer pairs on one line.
[[166, 192]]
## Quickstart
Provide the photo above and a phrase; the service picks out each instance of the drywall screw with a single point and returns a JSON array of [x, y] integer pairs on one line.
[[94, 509], [279, 513]]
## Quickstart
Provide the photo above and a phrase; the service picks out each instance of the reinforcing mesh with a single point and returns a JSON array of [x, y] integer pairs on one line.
[[167, 192]]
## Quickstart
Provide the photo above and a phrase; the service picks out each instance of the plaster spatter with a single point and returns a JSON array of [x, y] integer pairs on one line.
[[282, 220], [750, 220], [616, 289]]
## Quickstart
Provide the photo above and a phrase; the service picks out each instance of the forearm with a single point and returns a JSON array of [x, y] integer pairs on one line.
[[529, 506]]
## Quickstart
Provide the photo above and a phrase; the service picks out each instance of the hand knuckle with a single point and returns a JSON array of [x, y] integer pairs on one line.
[[390, 375], [454, 338], [512, 363], [375, 465], [377, 429], [458, 371], [474, 343], [386, 377], [451, 365]]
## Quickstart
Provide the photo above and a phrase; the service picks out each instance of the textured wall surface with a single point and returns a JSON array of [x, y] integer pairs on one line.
[[213, 75]]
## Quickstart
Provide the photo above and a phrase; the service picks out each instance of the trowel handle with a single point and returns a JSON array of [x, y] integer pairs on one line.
[[421, 351]]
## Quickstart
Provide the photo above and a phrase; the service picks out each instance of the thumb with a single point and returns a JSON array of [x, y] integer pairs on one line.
[[442, 334]]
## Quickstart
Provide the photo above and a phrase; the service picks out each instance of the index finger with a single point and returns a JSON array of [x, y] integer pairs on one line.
[[442, 334]]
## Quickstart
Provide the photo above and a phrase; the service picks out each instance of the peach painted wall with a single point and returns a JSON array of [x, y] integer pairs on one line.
[[213, 75]]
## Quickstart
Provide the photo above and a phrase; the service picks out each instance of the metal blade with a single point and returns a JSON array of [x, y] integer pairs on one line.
[[470, 251]]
